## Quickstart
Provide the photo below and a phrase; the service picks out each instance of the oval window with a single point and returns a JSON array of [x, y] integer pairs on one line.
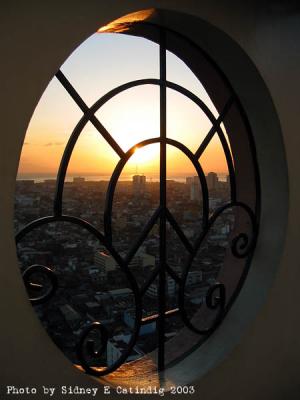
[[137, 199]]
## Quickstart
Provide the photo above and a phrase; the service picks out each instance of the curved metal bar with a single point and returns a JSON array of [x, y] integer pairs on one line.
[[94, 120], [119, 260], [179, 231], [88, 345], [134, 336], [152, 81], [217, 213], [108, 96], [142, 236], [125, 86], [213, 302], [121, 164], [230, 165], [150, 280], [216, 124], [215, 128], [113, 183], [232, 92], [61, 218], [238, 248], [160, 325], [172, 274], [62, 171], [201, 176], [78, 129], [49, 274]]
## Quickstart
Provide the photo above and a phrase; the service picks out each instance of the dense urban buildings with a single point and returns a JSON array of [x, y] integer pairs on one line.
[[91, 284]]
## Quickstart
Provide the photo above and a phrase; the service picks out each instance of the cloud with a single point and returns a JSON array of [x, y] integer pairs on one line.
[[26, 143]]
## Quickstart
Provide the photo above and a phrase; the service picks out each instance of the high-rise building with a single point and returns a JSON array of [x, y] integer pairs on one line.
[[194, 185], [212, 181], [189, 180], [195, 189], [138, 184]]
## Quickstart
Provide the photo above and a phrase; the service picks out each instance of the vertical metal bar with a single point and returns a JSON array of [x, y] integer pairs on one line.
[[162, 227]]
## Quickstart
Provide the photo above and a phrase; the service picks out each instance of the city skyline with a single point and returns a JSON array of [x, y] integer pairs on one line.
[[92, 286], [43, 177]]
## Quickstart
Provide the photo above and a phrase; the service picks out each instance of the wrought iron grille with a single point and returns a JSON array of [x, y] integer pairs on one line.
[[242, 245]]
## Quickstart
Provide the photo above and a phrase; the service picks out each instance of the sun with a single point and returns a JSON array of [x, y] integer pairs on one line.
[[143, 156]]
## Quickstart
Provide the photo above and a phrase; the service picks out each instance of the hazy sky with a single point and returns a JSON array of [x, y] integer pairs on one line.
[[101, 63]]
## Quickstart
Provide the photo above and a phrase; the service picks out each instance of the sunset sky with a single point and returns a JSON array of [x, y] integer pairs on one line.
[[102, 62]]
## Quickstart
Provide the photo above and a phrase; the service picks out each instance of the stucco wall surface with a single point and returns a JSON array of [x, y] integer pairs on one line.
[[36, 37]]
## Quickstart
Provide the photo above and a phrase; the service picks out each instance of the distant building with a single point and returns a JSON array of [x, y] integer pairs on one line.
[[129, 319], [189, 180], [118, 346], [25, 201], [214, 203], [123, 292], [105, 262], [171, 288], [212, 181], [78, 179], [50, 181], [138, 184], [194, 277], [194, 186], [97, 275], [145, 260], [195, 190], [198, 295], [25, 184]]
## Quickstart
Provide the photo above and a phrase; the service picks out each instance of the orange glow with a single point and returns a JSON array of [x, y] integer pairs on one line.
[[90, 157], [145, 156], [130, 117], [123, 24]]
